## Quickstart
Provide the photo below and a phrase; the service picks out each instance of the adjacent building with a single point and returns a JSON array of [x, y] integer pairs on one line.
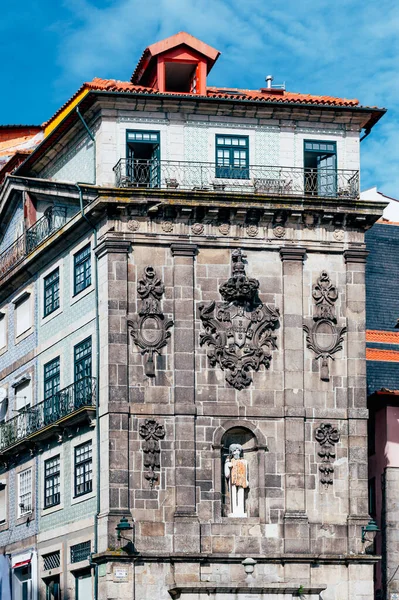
[[182, 339], [383, 388]]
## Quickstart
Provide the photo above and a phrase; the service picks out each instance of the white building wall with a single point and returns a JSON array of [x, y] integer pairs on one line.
[[192, 138]]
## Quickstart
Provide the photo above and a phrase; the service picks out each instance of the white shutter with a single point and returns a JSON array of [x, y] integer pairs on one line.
[[3, 330], [3, 503], [23, 315], [23, 395]]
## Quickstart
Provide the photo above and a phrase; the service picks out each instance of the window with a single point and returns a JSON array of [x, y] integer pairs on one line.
[[51, 388], [82, 269], [51, 561], [82, 375], [22, 582], [142, 165], [83, 469], [53, 591], [23, 394], [372, 498], [320, 162], [51, 292], [24, 492], [52, 483], [232, 157], [84, 589], [3, 502], [80, 552], [3, 330], [23, 314]]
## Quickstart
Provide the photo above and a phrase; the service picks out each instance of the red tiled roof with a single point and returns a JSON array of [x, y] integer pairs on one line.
[[382, 355], [264, 96], [384, 337]]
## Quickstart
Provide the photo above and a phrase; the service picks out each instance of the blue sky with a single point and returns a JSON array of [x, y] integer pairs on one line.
[[347, 48]]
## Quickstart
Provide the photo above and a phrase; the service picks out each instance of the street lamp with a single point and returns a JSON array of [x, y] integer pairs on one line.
[[122, 527], [369, 532]]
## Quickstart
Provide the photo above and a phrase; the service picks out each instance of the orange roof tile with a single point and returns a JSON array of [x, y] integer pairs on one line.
[[382, 355], [385, 337]]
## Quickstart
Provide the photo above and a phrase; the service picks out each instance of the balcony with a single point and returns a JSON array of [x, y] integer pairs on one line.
[[69, 406], [270, 181], [54, 218]]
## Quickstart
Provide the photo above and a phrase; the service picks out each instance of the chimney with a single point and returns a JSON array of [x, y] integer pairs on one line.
[[269, 80]]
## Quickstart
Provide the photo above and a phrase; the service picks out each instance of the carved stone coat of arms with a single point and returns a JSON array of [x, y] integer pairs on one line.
[[239, 331]]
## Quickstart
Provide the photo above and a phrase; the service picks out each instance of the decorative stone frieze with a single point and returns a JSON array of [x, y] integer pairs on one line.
[[151, 432], [324, 337], [133, 225], [149, 329], [327, 436], [197, 228], [240, 335], [167, 226], [224, 228]]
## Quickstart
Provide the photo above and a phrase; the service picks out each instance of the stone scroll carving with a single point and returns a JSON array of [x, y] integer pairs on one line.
[[327, 436], [239, 332], [149, 329], [151, 432], [323, 336]]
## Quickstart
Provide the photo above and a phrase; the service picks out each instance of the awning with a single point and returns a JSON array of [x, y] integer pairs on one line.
[[23, 563]]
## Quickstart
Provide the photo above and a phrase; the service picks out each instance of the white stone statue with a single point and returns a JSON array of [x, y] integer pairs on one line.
[[236, 473]]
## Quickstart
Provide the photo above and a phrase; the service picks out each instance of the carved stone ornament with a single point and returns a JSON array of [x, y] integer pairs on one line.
[[323, 336], [339, 235], [167, 226], [149, 329], [133, 225], [151, 432], [240, 335], [197, 228], [252, 230], [224, 228], [327, 436], [279, 231]]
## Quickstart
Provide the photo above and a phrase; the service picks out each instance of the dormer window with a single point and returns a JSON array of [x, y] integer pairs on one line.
[[177, 64], [181, 77]]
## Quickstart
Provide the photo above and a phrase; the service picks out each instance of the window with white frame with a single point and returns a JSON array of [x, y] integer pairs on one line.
[[3, 330], [23, 314], [52, 481], [83, 469], [23, 394], [24, 492], [3, 502]]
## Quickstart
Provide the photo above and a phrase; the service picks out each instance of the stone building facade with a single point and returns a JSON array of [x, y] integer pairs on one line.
[[223, 275]]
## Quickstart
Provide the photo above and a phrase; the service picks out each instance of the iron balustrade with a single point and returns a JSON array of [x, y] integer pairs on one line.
[[54, 218], [270, 180], [65, 402]]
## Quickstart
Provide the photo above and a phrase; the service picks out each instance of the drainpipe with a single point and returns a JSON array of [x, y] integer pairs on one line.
[[98, 460], [91, 136]]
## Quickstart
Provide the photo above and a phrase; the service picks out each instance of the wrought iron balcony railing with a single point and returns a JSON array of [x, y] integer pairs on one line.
[[66, 402], [274, 180], [54, 219]]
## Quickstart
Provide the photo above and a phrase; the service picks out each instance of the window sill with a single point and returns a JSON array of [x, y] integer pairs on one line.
[[82, 294], [25, 519], [51, 509], [22, 336], [52, 315], [4, 526], [83, 498], [3, 350]]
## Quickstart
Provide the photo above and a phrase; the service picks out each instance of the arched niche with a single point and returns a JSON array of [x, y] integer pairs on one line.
[[253, 445]]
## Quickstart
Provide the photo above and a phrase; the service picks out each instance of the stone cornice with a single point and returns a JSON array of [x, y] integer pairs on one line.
[[184, 249], [356, 255], [292, 254], [112, 246]]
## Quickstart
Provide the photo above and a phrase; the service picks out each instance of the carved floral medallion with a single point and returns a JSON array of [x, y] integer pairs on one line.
[[239, 332]]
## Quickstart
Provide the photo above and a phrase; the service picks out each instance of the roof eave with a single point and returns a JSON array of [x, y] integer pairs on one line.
[[92, 94]]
